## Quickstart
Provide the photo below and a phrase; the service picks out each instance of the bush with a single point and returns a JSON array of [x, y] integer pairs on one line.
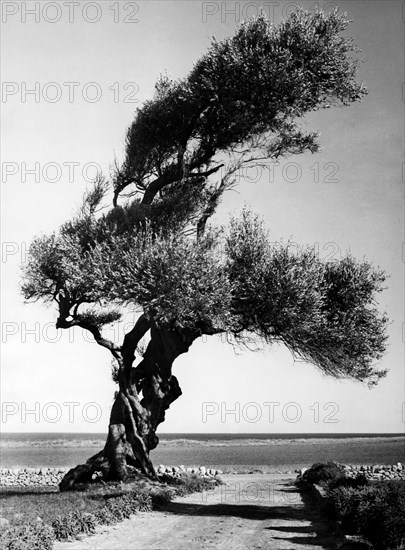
[[38, 536], [373, 510], [75, 523], [186, 484], [381, 515], [141, 501], [124, 506], [163, 496], [355, 482], [322, 474], [105, 516], [376, 511], [342, 504]]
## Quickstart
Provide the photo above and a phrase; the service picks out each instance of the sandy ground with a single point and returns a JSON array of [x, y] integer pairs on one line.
[[248, 512]]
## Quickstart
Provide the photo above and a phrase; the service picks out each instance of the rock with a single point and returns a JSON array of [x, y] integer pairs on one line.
[[202, 470], [190, 470], [218, 472]]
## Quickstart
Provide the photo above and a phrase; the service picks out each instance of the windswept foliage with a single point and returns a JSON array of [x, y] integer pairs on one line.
[[324, 312]]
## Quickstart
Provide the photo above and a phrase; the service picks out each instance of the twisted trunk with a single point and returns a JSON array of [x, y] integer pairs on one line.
[[145, 393]]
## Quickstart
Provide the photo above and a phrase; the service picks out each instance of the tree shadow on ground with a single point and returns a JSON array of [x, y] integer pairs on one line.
[[325, 533], [297, 506], [243, 511], [316, 536]]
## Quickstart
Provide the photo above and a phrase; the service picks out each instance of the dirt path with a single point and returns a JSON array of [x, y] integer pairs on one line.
[[249, 512]]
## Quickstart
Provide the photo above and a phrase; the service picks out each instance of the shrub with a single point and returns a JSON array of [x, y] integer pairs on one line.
[[354, 482], [381, 515], [323, 473], [186, 484], [75, 523], [124, 506], [375, 511], [37, 536], [142, 501], [104, 516], [116, 509], [342, 504], [163, 496]]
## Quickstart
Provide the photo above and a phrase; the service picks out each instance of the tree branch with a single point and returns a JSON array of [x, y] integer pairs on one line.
[[62, 322], [159, 183], [213, 201], [95, 331], [132, 339]]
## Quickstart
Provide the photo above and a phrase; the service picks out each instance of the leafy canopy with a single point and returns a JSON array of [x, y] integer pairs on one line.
[[238, 106]]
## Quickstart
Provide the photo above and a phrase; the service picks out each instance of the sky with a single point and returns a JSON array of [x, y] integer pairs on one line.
[[73, 74]]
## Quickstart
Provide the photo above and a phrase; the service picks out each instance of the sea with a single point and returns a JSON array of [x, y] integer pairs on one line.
[[240, 452]]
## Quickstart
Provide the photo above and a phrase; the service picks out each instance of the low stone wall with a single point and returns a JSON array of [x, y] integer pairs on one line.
[[198, 470], [376, 472], [24, 477], [39, 477]]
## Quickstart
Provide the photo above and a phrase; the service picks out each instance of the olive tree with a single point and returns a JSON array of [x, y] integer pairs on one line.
[[155, 251]]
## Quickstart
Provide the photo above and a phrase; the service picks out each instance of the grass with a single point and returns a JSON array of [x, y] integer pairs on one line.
[[37, 518]]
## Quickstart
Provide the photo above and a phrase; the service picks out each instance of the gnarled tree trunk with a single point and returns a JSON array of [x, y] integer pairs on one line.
[[145, 393]]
